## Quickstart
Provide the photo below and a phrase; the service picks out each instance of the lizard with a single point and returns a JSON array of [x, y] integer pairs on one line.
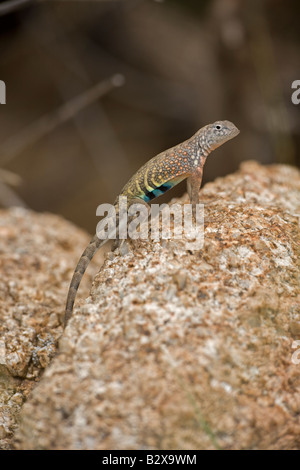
[[184, 161]]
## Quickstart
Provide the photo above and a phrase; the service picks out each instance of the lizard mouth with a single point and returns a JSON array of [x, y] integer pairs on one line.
[[236, 131]]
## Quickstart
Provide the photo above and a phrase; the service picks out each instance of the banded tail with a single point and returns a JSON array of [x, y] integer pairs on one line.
[[83, 263]]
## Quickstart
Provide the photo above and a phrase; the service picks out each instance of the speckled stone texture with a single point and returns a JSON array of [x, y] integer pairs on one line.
[[37, 257], [176, 349]]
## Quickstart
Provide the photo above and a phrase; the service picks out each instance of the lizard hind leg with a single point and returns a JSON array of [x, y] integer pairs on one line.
[[133, 224], [136, 221]]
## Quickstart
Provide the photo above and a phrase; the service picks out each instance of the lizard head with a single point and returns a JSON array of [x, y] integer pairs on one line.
[[217, 134]]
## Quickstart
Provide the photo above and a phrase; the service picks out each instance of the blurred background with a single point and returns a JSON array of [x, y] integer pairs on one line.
[[96, 88]]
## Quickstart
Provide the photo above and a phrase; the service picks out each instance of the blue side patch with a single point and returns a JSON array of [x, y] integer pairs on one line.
[[157, 191]]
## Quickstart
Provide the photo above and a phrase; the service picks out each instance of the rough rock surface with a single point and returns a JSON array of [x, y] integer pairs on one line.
[[37, 258], [181, 349]]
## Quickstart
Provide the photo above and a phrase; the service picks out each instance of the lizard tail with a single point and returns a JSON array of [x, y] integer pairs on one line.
[[83, 263]]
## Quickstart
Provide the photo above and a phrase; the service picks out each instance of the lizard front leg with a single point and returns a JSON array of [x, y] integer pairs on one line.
[[193, 188]]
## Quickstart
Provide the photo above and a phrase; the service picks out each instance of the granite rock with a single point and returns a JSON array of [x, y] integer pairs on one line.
[[183, 349], [37, 258]]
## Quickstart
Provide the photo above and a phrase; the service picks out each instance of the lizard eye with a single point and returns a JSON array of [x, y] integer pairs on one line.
[[218, 127]]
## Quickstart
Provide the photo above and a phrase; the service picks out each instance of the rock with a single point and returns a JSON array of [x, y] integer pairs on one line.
[[37, 256], [182, 349]]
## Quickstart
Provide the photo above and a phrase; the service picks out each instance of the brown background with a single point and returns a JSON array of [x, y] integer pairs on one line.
[[185, 63]]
